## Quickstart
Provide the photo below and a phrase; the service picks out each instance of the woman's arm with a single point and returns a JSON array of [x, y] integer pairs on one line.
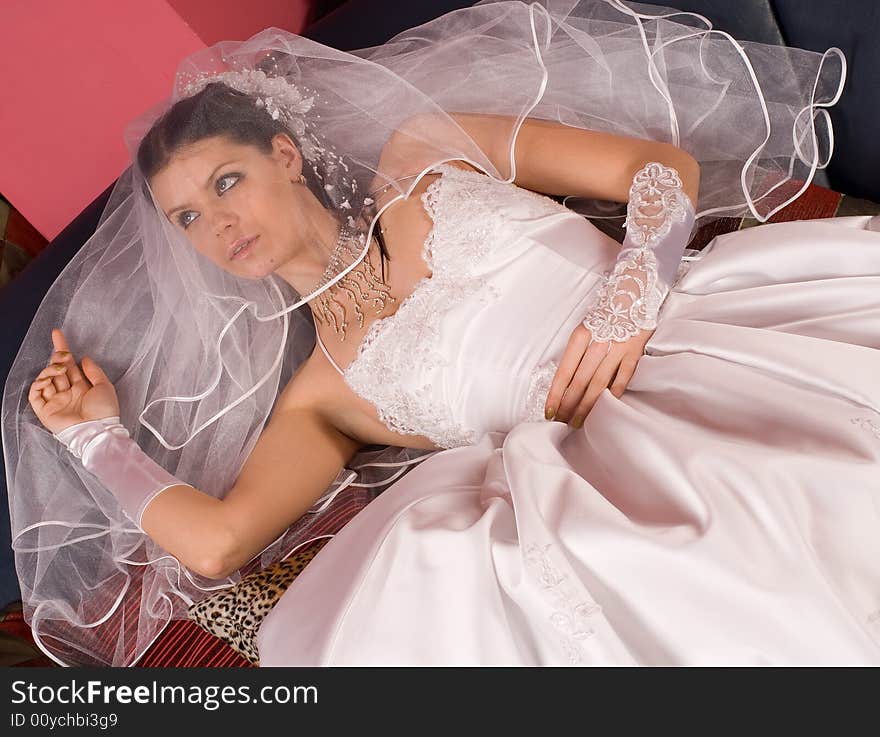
[[561, 160], [297, 456], [551, 158]]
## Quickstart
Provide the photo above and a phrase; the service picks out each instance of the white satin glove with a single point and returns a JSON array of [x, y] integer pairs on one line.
[[106, 450], [659, 221]]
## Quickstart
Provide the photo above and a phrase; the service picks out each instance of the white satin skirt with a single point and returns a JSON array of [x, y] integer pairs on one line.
[[725, 510]]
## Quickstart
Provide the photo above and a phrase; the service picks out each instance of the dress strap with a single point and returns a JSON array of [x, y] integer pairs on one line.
[[327, 353]]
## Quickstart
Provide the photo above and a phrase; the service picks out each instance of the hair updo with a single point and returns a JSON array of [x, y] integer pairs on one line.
[[217, 110]]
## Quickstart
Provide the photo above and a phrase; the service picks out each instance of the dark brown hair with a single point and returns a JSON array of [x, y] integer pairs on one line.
[[218, 110]]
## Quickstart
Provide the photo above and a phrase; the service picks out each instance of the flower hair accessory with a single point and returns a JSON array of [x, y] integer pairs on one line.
[[282, 101]]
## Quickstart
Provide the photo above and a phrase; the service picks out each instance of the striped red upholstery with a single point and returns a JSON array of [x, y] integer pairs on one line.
[[185, 644], [182, 643]]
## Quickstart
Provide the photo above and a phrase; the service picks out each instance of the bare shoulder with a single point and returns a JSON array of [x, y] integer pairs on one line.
[[407, 153]]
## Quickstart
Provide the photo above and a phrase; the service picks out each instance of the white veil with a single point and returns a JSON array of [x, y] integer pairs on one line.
[[198, 356]]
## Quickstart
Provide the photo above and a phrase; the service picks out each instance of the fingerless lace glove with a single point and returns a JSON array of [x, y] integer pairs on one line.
[[106, 450], [659, 221]]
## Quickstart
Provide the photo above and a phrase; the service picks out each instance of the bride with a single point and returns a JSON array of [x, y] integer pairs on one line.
[[717, 504]]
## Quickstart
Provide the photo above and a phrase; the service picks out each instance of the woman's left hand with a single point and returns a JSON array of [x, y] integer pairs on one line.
[[587, 369]]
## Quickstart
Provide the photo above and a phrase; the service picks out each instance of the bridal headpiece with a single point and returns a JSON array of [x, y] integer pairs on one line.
[[280, 99]]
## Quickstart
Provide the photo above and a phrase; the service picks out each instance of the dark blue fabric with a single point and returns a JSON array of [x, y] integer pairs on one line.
[[747, 20], [19, 301], [854, 27], [851, 25], [359, 24]]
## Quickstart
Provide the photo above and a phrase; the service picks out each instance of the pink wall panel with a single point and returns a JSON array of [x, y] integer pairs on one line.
[[224, 20], [74, 73]]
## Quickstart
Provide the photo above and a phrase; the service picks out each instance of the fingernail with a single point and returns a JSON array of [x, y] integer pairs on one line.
[[577, 423], [549, 413], [57, 366], [62, 353]]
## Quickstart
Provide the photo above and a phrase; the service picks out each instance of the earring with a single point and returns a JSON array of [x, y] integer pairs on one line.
[[302, 179]]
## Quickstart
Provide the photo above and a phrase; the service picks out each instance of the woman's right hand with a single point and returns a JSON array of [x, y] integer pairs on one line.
[[63, 395]]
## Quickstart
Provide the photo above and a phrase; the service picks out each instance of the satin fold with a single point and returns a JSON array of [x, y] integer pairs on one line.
[[725, 510]]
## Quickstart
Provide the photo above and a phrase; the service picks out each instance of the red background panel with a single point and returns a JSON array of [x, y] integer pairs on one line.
[[74, 73]]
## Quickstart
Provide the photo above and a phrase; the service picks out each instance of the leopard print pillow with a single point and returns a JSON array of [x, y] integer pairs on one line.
[[235, 614]]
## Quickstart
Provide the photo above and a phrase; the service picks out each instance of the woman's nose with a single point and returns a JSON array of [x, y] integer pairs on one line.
[[222, 221]]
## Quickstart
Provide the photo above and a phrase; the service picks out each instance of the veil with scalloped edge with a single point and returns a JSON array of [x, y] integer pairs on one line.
[[198, 356]]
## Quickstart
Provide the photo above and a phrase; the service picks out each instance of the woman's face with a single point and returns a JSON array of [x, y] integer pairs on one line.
[[237, 205]]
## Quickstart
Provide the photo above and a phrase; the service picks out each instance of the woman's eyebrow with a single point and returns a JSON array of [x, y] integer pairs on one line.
[[207, 184]]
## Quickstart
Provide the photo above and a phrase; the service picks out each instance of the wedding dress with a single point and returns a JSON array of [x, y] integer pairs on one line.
[[724, 510]]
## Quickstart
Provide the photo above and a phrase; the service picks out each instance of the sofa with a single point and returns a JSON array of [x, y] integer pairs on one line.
[[814, 24]]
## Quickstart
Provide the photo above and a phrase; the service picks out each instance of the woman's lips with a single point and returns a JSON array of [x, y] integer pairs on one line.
[[246, 245]]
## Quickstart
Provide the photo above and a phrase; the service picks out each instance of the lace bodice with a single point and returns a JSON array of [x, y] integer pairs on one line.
[[473, 348]]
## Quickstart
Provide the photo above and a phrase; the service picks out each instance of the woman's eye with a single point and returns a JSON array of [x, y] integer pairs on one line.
[[226, 182], [223, 185]]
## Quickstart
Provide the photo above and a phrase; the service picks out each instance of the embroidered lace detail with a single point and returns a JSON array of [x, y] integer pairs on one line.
[[656, 200], [539, 388], [869, 425], [630, 299], [571, 613], [467, 210]]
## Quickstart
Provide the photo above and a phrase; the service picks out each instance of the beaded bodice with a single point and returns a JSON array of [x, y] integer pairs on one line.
[[473, 348]]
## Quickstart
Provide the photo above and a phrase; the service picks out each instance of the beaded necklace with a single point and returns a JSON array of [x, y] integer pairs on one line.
[[363, 286]]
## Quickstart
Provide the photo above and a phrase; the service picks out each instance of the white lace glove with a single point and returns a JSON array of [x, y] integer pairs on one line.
[[107, 451], [659, 221]]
